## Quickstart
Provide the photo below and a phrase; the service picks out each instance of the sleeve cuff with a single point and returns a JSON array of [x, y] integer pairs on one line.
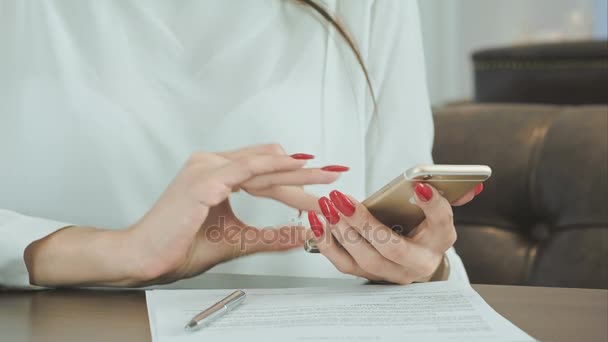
[[457, 271]]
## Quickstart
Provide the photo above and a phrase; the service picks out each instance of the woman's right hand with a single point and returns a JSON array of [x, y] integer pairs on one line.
[[189, 229], [192, 226]]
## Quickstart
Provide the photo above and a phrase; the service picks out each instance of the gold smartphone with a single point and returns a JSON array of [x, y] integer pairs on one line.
[[394, 204]]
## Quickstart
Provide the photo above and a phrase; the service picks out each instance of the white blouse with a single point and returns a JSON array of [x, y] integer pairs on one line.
[[101, 102]]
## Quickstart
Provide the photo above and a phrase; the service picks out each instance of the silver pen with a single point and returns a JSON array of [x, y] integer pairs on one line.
[[216, 311]]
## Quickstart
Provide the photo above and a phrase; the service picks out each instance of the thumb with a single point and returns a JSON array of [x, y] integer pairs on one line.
[[256, 240]]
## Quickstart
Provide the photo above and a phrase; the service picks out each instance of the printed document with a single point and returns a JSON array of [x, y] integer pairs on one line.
[[439, 311]]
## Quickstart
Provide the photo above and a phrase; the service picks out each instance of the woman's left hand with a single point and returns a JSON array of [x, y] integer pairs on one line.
[[358, 244]]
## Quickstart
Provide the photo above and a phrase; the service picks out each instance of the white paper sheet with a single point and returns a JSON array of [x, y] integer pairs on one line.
[[441, 311]]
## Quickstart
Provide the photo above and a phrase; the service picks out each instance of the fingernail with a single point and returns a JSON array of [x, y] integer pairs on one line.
[[315, 224], [302, 156], [424, 192], [343, 203], [478, 189], [335, 168], [329, 211]]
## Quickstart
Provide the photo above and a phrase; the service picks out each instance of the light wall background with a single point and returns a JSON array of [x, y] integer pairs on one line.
[[453, 29]]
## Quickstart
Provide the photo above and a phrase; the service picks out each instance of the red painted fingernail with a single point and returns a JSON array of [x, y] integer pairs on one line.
[[424, 192], [329, 211], [335, 168], [302, 156], [343, 203], [478, 189], [315, 224]]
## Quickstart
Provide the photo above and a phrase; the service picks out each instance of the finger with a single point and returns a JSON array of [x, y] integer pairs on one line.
[[272, 149], [478, 189], [333, 251], [391, 245], [367, 257], [254, 240], [292, 196], [306, 176], [275, 186], [437, 231], [214, 186], [241, 170], [468, 197]]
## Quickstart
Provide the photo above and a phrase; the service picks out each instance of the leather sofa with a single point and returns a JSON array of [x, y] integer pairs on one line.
[[543, 217]]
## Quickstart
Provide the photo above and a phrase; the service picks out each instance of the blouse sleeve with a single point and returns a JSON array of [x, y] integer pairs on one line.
[[400, 133], [16, 233]]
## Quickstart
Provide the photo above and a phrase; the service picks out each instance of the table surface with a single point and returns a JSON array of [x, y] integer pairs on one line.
[[548, 314]]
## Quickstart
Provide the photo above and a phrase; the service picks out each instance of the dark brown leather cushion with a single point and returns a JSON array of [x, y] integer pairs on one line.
[[561, 73], [543, 217]]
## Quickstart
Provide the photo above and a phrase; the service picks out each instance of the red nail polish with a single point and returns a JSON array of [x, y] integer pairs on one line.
[[329, 211], [424, 192], [302, 156], [478, 189], [315, 224], [343, 203], [335, 168]]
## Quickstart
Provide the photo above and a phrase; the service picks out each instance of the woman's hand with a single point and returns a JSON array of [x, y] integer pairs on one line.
[[358, 244], [190, 228]]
